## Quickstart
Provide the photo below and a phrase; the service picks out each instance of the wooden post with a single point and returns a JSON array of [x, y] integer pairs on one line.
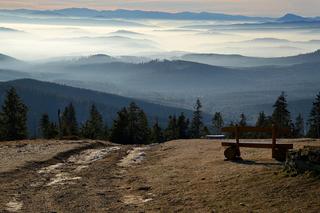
[[274, 139], [237, 135]]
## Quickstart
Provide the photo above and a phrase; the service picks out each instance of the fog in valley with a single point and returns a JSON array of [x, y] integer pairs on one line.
[[168, 61]]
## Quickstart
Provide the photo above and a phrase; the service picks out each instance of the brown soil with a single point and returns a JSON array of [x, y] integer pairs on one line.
[[178, 176]]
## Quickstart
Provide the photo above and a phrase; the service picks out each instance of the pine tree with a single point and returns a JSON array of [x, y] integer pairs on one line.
[[156, 135], [281, 114], [242, 123], [263, 121], [196, 128], [131, 126], [183, 126], [299, 126], [13, 117], [314, 119], [69, 124], [172, 131], [217, 123], [243, 120], [139, 131], [94, 127], [119, 130], [106, 133], [48, 129]]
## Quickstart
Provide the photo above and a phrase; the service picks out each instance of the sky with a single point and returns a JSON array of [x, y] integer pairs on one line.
[[243, 7]]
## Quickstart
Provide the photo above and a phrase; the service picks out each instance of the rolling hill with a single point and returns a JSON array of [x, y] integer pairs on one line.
[[41, 97], [244, 61]]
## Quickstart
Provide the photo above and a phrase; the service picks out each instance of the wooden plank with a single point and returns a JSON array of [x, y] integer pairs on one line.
[[252, 129], [257, 145], [228, 129]]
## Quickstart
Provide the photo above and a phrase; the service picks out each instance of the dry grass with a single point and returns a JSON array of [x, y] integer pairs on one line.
[[178, 176]]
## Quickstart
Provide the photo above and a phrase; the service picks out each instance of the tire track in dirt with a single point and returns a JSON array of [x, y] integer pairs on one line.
[[60, 170]]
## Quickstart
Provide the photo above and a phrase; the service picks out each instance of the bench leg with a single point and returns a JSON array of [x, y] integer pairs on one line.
[[232, 153], [279, 153]]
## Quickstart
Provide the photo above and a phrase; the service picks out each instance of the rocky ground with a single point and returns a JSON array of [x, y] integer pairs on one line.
[[178, 176]]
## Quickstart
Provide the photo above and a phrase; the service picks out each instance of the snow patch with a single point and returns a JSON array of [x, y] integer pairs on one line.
[[62, 178], [135, 156], [134, 199], [14, 205], [91, 155]]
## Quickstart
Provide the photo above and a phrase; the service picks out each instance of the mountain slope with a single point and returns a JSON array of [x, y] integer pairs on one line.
[[244, 61], [42, 97]]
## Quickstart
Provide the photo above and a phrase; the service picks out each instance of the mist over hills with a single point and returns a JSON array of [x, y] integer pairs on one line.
[[232, 90], [44, 97], [244, 61]]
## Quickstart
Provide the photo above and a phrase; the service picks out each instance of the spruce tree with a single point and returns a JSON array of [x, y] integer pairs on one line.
[[13, 117], [119, 129], [48, 129], [196, 128], [281, 115], [139, 131], [106, 133], [243, 123], [69, 124], [172, 131], [263, 121], [217, 123], [299, 127], [243, 120], [94, 127], [131, 126], [183, 126], [314, 119], [156, 135]]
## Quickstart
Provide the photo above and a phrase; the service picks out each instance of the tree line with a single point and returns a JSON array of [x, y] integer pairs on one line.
[[131, 125]]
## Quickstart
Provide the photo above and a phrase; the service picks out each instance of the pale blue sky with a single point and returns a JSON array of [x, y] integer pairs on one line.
[[245, 7]]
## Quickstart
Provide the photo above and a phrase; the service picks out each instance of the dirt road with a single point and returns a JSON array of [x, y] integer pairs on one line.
[[178, 176]]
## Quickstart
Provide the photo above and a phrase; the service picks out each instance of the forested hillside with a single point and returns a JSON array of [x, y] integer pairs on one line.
[[44, 97]]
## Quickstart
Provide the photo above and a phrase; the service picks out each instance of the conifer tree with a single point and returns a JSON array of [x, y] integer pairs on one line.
[[263, 121], [196, 128], [48, 129], [183, 126], [217, 123], [131, 126], [281, 114], [242, 123], [172, 131], [119, 130], [13, 117], [69, 124], [106, 133], [299, 126], [243, 120], [156, 135], [139, 131], [314, 119], [94, 127]]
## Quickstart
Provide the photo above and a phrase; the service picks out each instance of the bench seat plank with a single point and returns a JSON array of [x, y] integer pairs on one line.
[[257, 145]]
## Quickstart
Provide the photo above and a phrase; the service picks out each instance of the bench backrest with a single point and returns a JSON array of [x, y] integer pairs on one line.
[[254, 129]]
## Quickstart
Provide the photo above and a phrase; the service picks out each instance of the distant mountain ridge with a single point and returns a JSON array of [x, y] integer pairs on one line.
[[133, 14], [245, 61], [142, 14]]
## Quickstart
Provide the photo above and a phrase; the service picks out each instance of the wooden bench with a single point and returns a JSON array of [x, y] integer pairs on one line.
[[278, 150]]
